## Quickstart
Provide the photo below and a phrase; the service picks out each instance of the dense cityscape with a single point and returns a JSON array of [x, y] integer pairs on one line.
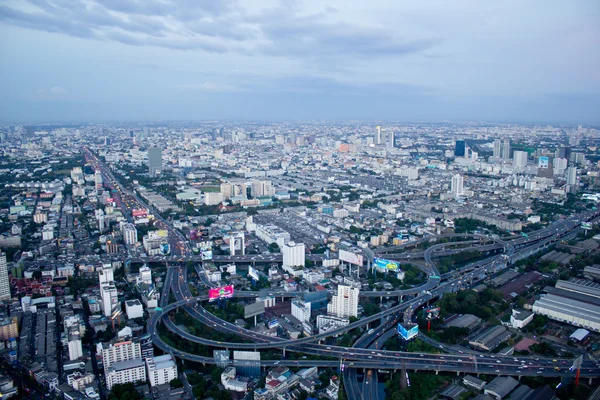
[[300, 260]]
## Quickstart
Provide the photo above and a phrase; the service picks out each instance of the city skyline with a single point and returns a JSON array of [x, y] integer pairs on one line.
[[105, 61]]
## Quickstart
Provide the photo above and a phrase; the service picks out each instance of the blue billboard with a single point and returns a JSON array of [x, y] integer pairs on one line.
[[408, 334], [386, 265]]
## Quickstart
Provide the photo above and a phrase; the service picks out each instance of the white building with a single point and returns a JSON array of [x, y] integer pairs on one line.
[[293, 256], [572, 176], [119, 351], [520, 318], [213, 198], [4, 283], [110, 298], [301, 310], [520, 159], [161, 369], [134, 309], [345, 302], [106, 274], [272, 234], [457, 185], [237, 245], [130, 236], [145, 275], [125, 372], [78, 381], [75, 349]]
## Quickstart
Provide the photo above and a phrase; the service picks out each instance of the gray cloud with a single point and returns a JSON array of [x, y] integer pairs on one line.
[[213, 26]]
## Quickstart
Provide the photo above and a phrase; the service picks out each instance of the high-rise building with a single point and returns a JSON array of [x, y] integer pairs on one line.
[[301, 310], [545, 167], [345, 302], [459, 148], [145, 275], [154, 161], [457, 184], [161, 369], [130, 236], [378, 139], [498, 148], [293, 255], [4, 283], [391, 140], [572, 176], [560, 165], [506, 149], [113, 352], [563, 152], [520, 159], [98, 179], [110, 298], [106, 274]]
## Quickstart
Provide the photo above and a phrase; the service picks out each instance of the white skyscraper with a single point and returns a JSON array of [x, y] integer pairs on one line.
[[4, 283], [345, 302], [120, 351], [520, 159], [497, 148], [560, 165], [506, 149], [106, 274], [457, 185], [110, 299], [129, 234], [98, 179], [293, 255], [378, 139]]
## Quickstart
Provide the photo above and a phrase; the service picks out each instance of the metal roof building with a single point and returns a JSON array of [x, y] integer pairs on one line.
[[568, 310]]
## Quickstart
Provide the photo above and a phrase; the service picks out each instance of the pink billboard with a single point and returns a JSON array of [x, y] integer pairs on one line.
[[224, 292]]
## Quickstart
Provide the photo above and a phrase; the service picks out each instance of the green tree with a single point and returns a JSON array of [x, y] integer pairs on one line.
[[124, 391]]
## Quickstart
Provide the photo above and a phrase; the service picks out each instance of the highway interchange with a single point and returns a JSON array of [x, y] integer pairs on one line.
[[365, 353]]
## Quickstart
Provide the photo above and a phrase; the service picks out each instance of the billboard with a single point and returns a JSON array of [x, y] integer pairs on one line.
[[543, 162], [139, 212], [207, 255], [350, 257], [165, 248], [408, 334], [224, 292], [274, 323], [386, 264], [433, 313], [253, 273]]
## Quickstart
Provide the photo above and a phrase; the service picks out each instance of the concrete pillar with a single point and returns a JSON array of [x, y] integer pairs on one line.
[[437, 372], [457, 373], [590, 381], [284, 352]]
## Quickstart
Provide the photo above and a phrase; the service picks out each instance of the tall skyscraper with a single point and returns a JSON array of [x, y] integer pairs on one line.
[[98, 179], [457, 185], [391, 140], [459, 148], [497, 148], [545, 167], [572, 176], [4, 284], [378, 138], [520, 160], [154, 161], [506, 149], [345, 303]]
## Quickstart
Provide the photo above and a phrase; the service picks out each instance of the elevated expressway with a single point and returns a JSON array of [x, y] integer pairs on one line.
[[369, 358]]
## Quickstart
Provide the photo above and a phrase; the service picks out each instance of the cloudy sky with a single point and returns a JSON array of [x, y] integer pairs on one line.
[[401, 60]]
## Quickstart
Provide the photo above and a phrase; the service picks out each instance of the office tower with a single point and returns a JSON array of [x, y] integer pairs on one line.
[[98, 179], [497, 148], [560, 165], [459, 148], [545, 168], [506, 149], [457, 185], [520, 160], [563, 152], [226, 190], [4, 283], [377, 139], [161, 369], [391, 140], [572, 176], [577, 158], [154, 161], [345, 302]]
